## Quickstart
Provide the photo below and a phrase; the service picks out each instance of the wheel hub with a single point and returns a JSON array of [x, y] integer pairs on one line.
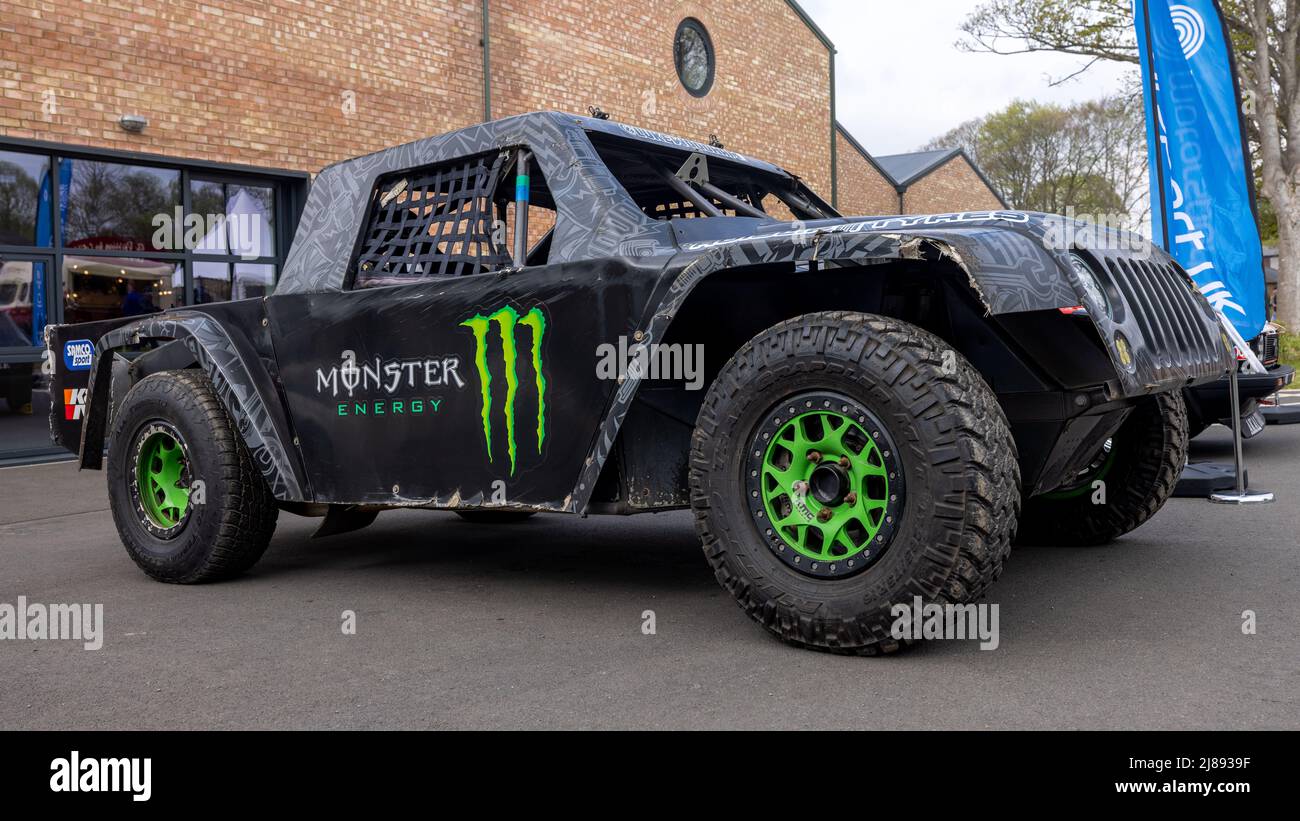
[[829, 484], [825, 484], [161, 480]]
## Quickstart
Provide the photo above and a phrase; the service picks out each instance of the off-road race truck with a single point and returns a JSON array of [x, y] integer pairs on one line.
[[880, 402]]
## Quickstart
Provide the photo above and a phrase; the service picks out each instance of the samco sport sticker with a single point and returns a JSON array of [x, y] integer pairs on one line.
[[78, 354], [508, 323]]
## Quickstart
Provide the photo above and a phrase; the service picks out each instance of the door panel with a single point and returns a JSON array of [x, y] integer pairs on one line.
[[461, 390]]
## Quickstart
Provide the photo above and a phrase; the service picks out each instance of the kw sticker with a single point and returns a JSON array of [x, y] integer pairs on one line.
[[507, 320], [74, 403]]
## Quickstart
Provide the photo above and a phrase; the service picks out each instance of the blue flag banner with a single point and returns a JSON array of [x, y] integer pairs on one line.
[[1202, 194]]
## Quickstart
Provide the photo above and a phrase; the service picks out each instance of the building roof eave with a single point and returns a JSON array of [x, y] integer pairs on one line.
[[813, 27], [866, 155], [943, 159]]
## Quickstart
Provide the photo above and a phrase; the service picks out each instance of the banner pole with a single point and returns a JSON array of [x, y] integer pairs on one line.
[[1241, 496]]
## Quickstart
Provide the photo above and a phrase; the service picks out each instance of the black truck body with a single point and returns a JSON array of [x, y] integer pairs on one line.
[[464, 378]]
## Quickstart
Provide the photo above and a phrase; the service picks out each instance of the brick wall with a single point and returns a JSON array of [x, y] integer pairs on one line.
[[770, 97], [302, 83], [863, 190], [954, 186], [238, 81], [299, 84]]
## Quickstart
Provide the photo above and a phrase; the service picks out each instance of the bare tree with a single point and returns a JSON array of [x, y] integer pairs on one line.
[[1265, 36], [1272, 83]]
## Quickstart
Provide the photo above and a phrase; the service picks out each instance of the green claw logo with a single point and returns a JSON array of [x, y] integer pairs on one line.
[[506, 320]]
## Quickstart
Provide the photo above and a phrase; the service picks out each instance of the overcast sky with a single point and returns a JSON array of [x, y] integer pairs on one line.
[[900, 81]]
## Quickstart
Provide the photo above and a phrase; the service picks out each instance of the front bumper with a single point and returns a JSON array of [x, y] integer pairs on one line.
[[1213, 400]]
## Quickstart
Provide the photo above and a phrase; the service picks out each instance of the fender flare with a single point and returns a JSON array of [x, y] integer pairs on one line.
[[1008, 269], [246, 393]]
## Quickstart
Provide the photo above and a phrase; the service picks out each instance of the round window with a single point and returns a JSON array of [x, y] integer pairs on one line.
[[693, 55]]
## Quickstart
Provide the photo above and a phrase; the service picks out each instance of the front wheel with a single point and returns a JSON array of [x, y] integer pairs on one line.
[[1131, 479], [188, 501], [843, 464]]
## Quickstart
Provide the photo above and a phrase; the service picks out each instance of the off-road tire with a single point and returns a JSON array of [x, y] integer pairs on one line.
[[1149, 453], [957, 455], [229, 530], [494, 517]]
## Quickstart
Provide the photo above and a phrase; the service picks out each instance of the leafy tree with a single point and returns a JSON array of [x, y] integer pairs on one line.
[[1089, 158], [18, 197]]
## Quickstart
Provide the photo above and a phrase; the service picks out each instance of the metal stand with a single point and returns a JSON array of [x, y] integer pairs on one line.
[[1240, 496]]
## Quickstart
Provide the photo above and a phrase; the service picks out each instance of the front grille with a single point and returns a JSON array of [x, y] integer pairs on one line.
[[1179, 335], [1266, 347]]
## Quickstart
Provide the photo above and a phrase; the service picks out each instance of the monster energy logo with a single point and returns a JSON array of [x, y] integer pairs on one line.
[[506, 319]]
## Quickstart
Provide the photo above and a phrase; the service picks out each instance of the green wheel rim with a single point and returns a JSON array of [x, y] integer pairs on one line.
[[829, 483], [162, 477]]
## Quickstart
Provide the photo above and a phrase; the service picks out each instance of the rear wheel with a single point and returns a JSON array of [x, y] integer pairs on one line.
[[844, 463], [187, 500], [1131, 479]]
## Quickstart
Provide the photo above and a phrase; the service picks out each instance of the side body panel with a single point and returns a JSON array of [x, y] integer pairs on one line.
[[458, 391]]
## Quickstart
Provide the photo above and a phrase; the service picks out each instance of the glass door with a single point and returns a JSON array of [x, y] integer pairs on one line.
[[24, 313]]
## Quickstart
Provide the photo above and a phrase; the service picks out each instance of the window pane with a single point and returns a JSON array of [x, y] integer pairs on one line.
[[211, 282], [250, 218], [22, 303], [253, 280], [111, 206], [25, 199], [208, 201], [109, 287]]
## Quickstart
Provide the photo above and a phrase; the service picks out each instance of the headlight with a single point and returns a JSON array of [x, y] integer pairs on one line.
[[1088, 280]]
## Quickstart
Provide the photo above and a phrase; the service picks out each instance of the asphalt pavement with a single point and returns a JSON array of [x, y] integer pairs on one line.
[[540, 625]]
